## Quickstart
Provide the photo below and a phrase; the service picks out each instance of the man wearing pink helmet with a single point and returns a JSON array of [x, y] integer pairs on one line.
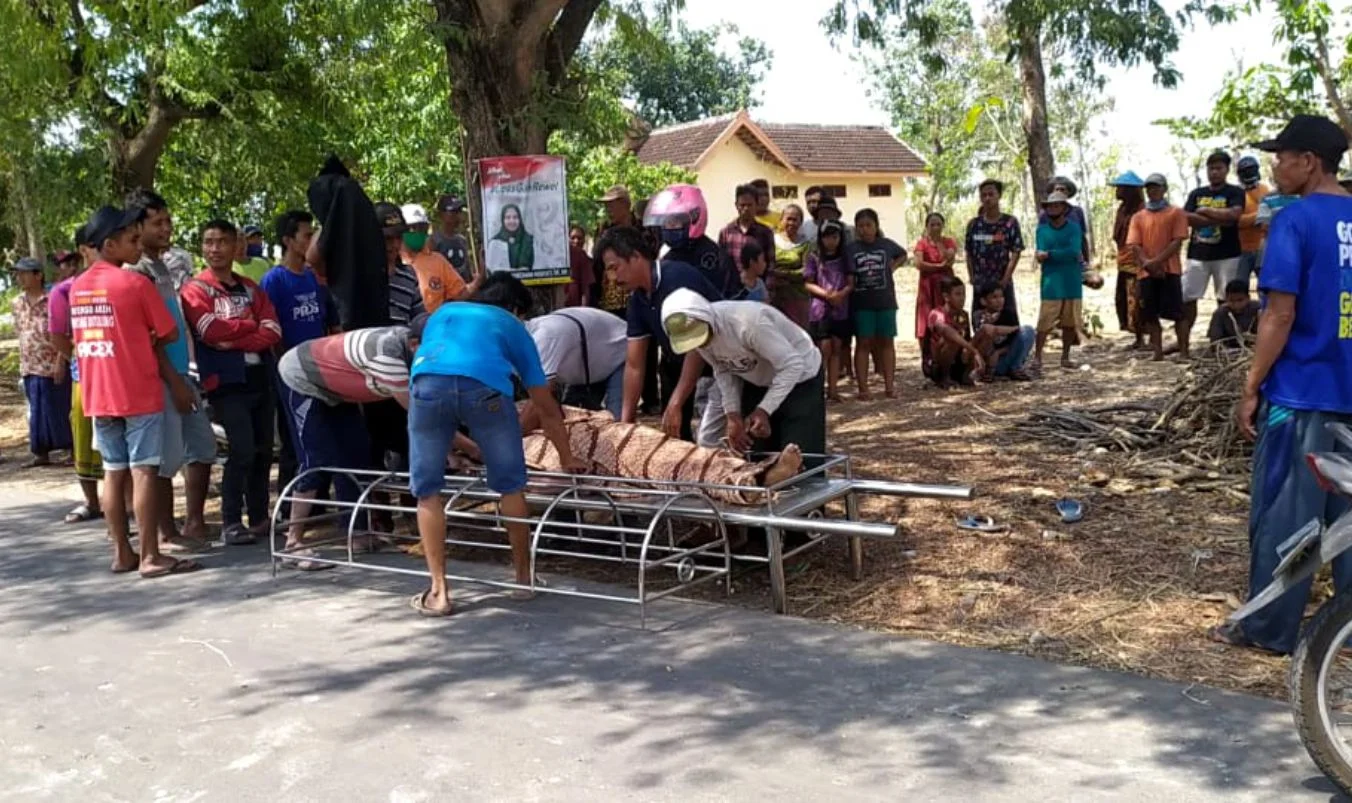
[[679, 217]]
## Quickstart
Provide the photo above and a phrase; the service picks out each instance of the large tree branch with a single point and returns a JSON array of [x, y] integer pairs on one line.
[[566, 37], [1331, 83]]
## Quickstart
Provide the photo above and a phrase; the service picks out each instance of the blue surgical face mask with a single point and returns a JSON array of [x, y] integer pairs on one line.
[[674, 238], [254, 250], [1155, 206]]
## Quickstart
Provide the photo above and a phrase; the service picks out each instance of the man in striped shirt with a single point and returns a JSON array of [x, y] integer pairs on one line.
[[405, 295]]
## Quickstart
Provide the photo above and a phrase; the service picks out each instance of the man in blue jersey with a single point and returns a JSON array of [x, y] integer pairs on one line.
[[453, 385], [1301, 376]]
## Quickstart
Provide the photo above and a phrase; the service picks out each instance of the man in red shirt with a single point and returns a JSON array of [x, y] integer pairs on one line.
[[236, 329], [117, 322]]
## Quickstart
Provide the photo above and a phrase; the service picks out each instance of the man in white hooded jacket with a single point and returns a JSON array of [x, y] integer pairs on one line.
[[766, 368]]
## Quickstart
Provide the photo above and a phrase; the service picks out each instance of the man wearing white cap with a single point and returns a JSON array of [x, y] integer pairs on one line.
[[438, 281]]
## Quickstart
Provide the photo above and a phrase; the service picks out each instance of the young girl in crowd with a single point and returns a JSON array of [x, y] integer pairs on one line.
[[829, 280], [934, 255], [873, 258]]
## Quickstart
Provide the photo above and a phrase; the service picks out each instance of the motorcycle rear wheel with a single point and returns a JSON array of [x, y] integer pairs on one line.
[[1312, 666]]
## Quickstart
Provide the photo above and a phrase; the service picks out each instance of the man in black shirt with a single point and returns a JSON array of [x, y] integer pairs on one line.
[[448, 241], [1213, 251]]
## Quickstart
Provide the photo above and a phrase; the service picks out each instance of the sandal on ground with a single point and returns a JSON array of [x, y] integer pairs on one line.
[[527, 594], [176, 567], [82, 513], [1020, 375], [980, 524], [1071, 510], [236, 535], [35, 462], [299, 560], [418, 602], [133, 566], [1231, 634], [181, 544]]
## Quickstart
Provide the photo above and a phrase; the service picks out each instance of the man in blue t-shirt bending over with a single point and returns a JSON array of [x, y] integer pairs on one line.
[[1301, 376], [453, 384]]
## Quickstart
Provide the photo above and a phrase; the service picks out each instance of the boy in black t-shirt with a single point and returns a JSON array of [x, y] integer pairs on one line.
[[1213, 250]]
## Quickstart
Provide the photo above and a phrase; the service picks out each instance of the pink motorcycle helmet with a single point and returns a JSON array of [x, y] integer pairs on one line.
[[682, 202]]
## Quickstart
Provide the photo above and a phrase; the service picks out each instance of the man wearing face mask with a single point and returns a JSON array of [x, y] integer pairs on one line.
[[251, 260], [1251, 231], [438, 281], [680, 216], [1156, 235]]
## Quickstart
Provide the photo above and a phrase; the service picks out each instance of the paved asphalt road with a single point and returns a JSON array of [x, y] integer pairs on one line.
[[232, 686]]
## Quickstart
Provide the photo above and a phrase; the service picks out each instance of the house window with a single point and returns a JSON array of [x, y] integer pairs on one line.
[[880, 190], [833, 190], [786, 192]]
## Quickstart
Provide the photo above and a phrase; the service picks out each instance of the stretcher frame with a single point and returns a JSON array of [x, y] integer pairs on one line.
[[637, 527]]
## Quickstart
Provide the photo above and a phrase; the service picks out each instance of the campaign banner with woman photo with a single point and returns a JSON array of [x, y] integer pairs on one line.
[[525, 217]]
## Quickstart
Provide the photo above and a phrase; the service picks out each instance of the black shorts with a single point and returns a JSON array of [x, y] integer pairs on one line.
[[822, 330], [1161, 297]]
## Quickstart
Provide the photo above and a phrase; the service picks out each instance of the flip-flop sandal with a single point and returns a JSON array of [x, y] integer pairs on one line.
[[299, 562], [1231, 634], [136, 564], [82, 513], [418, 602], [526, 594], [238, 537], [35, 462], [981, 524], [185, 545], [1071, 510], [177, 567]]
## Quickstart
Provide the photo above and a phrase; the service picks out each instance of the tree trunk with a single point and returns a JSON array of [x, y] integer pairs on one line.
[[507, 60], [1033, 81], [1330, 81], [135, 159], [28, 215]]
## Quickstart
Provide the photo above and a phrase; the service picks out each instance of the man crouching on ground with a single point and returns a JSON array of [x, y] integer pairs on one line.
[[453, 385]]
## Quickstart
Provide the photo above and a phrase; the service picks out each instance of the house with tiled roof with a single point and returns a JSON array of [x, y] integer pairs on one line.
[[860, 165]]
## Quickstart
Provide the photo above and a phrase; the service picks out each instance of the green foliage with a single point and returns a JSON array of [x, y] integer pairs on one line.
[[672, 73], [592, 171]]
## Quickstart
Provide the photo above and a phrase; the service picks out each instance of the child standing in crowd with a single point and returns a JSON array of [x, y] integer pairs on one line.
[[236, 330], [1059, 250], [45, 380], [1236, 320], [934, 256], [1003, 343], [118, 320], [751, 273], [950, 333], [829, 281], [872, 259]]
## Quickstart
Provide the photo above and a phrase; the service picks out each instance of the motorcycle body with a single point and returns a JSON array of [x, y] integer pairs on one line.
[[1321, 666]]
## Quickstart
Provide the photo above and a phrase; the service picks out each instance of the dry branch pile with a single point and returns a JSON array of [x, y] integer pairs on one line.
[[1190, 437]]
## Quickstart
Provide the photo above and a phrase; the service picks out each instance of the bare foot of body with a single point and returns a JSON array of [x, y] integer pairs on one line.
[[790, 462]]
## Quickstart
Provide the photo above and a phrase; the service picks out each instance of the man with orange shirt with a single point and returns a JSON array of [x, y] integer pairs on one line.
[[118, 321], [1251, 232], [438, 281], [1156, 235]]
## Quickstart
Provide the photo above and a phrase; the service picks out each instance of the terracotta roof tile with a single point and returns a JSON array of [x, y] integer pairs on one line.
[[843, 148], [811, 148], [682, 144]]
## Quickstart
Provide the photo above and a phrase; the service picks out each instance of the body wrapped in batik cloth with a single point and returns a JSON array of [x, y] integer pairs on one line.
[[637, 452]]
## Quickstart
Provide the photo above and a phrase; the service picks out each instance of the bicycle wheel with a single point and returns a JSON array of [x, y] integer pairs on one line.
[[1321, 690]]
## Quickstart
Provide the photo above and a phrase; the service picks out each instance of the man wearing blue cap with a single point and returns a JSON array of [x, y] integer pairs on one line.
[[1130, 200]]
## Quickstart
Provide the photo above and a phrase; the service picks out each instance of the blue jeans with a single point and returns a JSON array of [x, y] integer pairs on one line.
[[1017, 355], [1285, 497], [1249, 263], [437, 406], [589, 396]]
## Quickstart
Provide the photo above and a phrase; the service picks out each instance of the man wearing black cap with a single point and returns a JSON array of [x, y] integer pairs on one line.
[[448, 241], [251, 260], [117, 321], [405, 295], [1299, 379], [1213, 252]]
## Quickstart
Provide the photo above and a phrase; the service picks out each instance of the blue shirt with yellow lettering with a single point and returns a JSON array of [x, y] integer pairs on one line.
[[1309, 255]]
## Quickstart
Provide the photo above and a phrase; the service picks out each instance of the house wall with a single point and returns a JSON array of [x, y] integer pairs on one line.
[[733, 163]]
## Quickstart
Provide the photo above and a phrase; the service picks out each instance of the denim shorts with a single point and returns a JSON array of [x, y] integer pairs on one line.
[[187, 438], [130, 442], [437, 406]]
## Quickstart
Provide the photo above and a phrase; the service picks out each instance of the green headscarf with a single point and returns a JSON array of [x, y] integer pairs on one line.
[[521, 245]]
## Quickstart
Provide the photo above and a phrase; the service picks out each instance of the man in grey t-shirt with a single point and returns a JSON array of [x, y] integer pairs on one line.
[[564, 337]]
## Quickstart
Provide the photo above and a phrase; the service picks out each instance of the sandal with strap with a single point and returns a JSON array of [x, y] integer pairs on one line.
[[82, 513]]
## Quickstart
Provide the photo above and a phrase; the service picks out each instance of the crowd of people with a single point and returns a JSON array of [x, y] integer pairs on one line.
[[350, 347]]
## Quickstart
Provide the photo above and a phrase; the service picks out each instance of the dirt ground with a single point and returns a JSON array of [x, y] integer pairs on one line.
[[1132, 587]]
